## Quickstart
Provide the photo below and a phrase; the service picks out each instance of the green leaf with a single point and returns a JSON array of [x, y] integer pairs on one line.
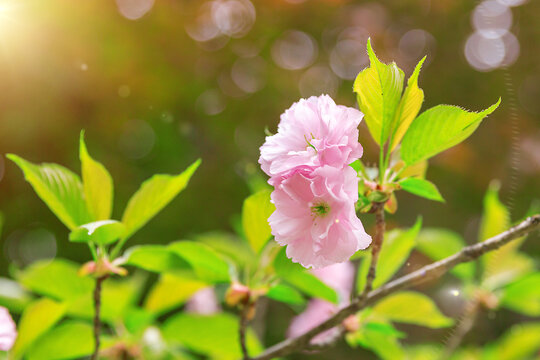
[[36, 320], [422, 188], [408, 107], [208, 265], [59, 188], [255, 212], [13, 296], [413, 308], [510, 267], [523, 296], [58, 279], [97, 184], [520, 342], [156, 258], [171, 291], [504, 264], [215, 336], [286, 294], [378, 89], [427, 352], [101, 232], [70, 340], [440, 243], [229, 246], [137, 320], [378, 338], [295, 275], [153, 195], [397, 246], [438, 129], [495, 218]]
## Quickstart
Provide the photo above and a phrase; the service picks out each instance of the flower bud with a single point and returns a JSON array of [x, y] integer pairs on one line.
[[351, 323], [236, 294]]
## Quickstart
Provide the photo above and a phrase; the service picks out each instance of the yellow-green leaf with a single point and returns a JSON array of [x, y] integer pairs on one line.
[[438, 129], [408, 107], [36, 320], [412, 308], [378, 90], [153, 195], [69, 340], [520, 342], [396, 247], [59, 188], [505, 264], [523, 296], [422, 188], [171, 291], [97, 184], [101, 232], [255, 212], [215, 336]]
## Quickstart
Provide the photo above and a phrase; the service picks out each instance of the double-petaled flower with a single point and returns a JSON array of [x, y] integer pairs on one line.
[[315, 189]]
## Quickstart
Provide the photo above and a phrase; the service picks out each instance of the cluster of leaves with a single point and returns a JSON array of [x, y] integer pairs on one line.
[[406, 140], [55, 298]]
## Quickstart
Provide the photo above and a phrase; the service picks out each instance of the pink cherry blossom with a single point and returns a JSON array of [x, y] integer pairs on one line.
[[338, 276], [312, 133], [315, 216], [8, 332]]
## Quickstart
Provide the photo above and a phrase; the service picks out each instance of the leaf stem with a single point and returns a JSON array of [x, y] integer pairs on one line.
[[376, 245], [242, 331], [93, 251], [97, 317]]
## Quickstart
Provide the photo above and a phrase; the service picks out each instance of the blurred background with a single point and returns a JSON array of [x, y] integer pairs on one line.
[[157, 84]]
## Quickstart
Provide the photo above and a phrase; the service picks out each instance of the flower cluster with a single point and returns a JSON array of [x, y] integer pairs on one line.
[[315, 189]]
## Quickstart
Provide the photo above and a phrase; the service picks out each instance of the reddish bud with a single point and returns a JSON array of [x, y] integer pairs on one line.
[[351, 323], [236, 294]]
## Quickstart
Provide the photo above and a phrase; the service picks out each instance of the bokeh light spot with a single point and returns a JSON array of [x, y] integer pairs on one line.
[[134, 9], [318, 80], [24, 247], [294, 50], [137, 139], [211, 102]]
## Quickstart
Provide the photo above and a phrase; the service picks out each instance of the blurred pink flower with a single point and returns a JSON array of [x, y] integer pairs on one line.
[[340, 277], [8, 332], [312, 133], [203, 302], [315, 216]]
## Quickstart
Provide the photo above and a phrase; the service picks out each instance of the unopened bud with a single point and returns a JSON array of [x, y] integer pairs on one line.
[[236, 294], [351, 323], [101, 268]]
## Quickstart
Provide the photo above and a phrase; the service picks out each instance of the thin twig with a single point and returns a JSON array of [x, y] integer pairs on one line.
[[242, 331], [465, 325], [97, 318], [428, 272]]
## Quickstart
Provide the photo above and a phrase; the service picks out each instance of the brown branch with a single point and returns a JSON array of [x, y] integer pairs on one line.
[[97, 318], [465, 325], [242, 330], [375, 249], [428, 272]]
